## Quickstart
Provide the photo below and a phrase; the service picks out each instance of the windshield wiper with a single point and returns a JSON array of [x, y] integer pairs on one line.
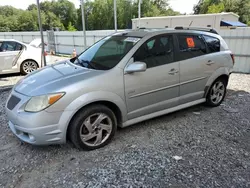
[[88, 63], [78, 60]]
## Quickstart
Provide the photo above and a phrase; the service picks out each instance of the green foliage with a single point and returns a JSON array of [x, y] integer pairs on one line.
[[240, 7], [216, 8], [71, 27], [99, 14], [62, 14]]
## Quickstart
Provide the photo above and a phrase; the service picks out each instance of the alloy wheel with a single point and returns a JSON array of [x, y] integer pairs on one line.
[[29, 66], [217, 92], [96, 129]]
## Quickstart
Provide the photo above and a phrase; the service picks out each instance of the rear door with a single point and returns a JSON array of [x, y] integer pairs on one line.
[[9, 51], [195, 66]]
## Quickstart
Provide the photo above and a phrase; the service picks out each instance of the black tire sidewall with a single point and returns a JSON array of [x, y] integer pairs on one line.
[[79, 119]]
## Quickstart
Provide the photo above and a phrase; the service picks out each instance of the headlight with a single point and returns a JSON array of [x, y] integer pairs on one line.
[[39, 103]]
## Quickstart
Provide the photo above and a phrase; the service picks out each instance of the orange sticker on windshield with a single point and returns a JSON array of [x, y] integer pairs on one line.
[[190, 42]]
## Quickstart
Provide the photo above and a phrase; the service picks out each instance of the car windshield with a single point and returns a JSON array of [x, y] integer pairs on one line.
[[106, 53]]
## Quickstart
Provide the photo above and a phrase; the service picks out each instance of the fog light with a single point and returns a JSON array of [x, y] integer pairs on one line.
[[31, 137]]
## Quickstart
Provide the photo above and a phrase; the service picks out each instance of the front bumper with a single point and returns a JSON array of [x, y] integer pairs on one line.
[[41, 128], [38, 136]]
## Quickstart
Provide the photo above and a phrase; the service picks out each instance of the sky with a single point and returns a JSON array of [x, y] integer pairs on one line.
[[183, 6]]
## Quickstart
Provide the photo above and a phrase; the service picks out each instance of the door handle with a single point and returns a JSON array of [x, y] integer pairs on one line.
[[173, 71], [210, 62]]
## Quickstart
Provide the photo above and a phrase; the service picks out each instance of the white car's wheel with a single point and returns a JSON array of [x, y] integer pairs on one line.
[[28, 67]]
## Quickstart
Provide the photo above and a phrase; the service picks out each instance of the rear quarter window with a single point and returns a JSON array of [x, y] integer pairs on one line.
[[213, 44]]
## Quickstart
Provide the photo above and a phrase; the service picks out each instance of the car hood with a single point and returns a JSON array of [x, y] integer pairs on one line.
[[52, 78]]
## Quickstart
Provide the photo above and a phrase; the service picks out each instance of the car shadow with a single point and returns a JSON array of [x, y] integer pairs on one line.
[[5, 76]]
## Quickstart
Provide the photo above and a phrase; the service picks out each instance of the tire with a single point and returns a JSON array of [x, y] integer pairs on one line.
[[92, 124], [216, 93], [28, 66]]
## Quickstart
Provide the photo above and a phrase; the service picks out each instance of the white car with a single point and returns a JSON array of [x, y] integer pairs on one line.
[[37, 42], [16, 56]]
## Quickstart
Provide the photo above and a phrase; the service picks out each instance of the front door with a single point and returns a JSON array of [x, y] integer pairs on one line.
[[9, 51], [157, 88]]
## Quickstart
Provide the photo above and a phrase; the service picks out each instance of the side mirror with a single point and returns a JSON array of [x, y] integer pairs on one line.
[[136, 67]]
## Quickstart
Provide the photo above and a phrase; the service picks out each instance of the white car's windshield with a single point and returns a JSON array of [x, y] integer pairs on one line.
[[106, 53]]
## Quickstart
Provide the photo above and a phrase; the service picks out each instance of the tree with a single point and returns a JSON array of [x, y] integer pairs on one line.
[[31, 7], [243, 10], [240, 7], [52, 21], [66, 11], [9, 11], [27, 21], [216, 8], [62, 14], [100, 15], [71, 27]]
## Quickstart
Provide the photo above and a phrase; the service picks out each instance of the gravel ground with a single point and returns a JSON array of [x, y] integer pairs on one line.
[[195, 147]]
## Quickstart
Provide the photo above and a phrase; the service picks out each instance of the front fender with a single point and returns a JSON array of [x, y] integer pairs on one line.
[[89, 98]]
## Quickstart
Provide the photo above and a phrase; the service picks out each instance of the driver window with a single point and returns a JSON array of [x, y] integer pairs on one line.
[[156, 51]]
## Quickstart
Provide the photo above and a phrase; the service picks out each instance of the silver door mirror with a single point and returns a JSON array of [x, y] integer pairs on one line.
[[136, 67]]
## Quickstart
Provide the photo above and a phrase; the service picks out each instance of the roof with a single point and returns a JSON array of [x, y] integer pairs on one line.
[[185, 16], [231, 23], [14, 40]]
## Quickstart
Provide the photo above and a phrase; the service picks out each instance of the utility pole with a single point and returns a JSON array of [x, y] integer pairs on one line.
[[83, 25], [115, 15], [41, 32], [139, 13]]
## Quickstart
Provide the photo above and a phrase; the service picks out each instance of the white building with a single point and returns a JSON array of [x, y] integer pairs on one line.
[[201, 20]]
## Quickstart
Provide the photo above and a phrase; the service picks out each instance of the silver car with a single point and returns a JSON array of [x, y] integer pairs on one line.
[[121, 80]]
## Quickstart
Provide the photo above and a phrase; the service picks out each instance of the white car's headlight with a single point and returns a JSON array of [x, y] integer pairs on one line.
[[39, 103]]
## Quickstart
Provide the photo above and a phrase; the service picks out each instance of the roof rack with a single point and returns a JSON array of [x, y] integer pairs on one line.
[[197, 29]]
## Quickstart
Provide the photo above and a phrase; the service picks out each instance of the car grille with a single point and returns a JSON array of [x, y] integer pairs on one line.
[[13, 101]]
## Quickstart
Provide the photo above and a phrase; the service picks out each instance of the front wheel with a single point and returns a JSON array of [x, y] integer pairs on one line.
[[93, 127], [216, 93], [28, 67]]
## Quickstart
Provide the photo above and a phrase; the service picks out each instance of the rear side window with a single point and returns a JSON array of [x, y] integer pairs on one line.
[[191, 46], [212, 43], [18, 47]]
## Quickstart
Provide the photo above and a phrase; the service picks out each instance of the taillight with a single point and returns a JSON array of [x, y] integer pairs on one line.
[[232, 56], [45, 53]]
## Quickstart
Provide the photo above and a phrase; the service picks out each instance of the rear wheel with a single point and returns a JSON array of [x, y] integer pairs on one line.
[[93, 127], [28, 67], [216, 93]]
